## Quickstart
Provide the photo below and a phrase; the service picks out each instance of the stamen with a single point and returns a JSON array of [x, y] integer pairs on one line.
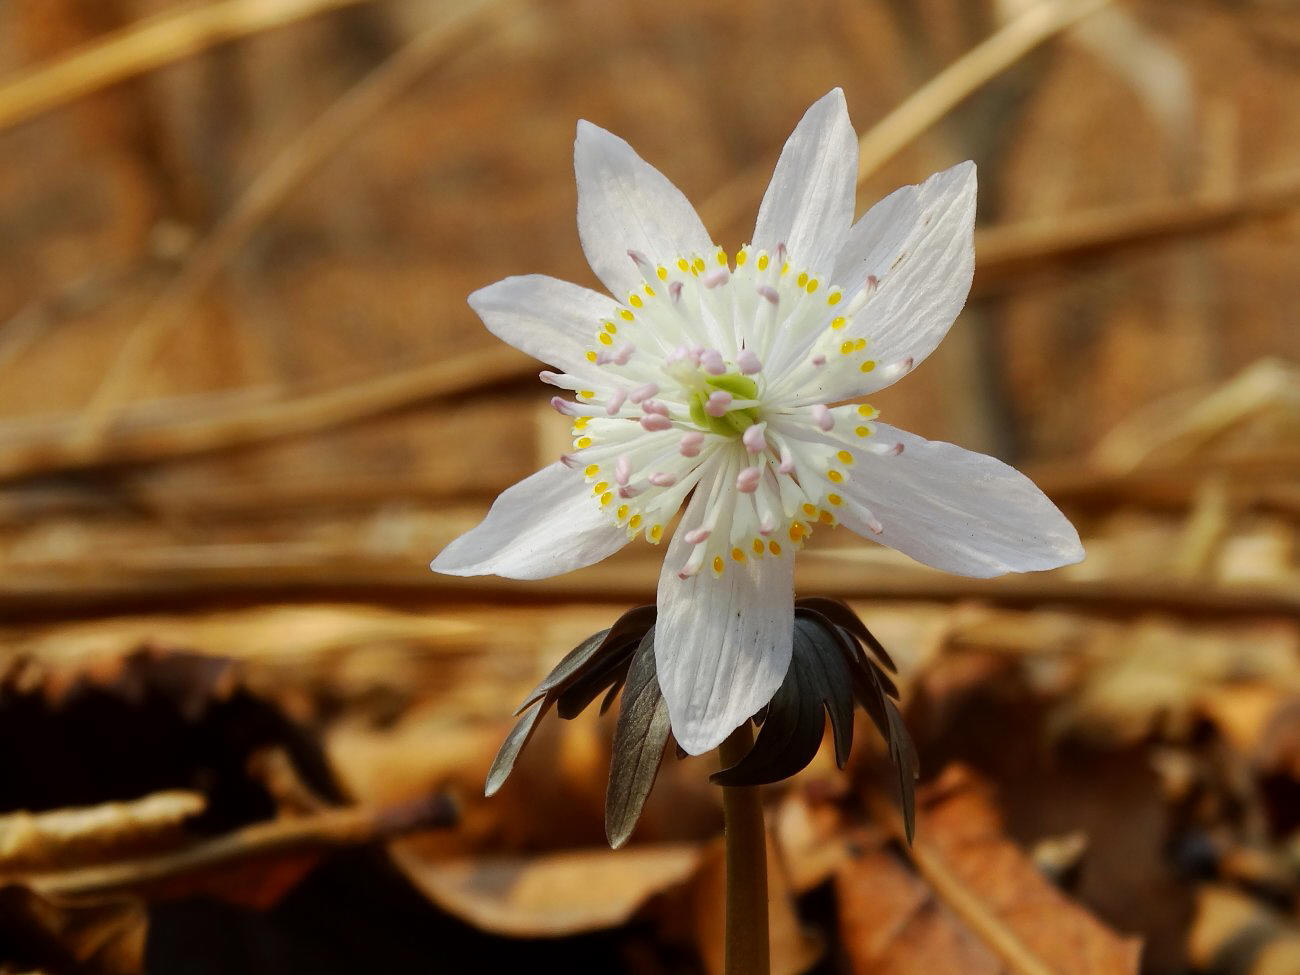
[[787, 460], [690, 444], [770, 293], [654, 406], [653, 422], [643, 392], [675, 291], [615, 401], [661, 479], [715, 277], [697, 535], [748, 362], [622, 469], [718, 404], [747, 480], [754, 439], [823, 418], [712, 362], [563, 406], [624, 354]]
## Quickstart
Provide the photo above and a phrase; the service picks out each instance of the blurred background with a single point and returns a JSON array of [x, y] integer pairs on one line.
[[243, 403]]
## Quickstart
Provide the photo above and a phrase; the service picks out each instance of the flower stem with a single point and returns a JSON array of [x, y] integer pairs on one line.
[[747, 939]]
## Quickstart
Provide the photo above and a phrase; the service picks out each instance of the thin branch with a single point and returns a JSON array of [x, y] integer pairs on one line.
[[317, 832], [928, 104], [145, 46], [959, 898], [313, 147]]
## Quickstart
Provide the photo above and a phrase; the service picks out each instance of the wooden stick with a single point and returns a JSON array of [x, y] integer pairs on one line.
[[313, 147], [145, 46]]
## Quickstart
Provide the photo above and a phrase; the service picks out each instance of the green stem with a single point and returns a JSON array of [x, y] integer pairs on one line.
[[747, 938]]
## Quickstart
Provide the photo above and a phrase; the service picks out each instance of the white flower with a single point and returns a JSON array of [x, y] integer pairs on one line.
[[712, 380]]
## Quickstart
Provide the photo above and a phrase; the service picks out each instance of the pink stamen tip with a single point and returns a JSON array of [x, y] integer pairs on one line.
[[562, 406], [718, 403], [662, 479], [748, 362], [754, 440], [819, 360], [622, 469], [896, 450], [875, 527], [654, 406], [697, 535], [615, 401], [639, 259], [627, 492], [823, 418], [766, 527], [548, 377], [787, 461], [712, 361], [643, 392], [675, 291], [715, 278], [781, 253], [569, 461], [747, 480], [872, 282], [690, 444], [604, 357], [768, 292], [624, 353], [654, 422]]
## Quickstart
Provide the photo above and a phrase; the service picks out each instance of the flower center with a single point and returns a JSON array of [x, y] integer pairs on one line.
[[709, 379]]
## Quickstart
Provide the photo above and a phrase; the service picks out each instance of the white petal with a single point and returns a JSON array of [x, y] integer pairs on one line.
[[625, 204], [919, 244], [955, 509], [808, 205], [543, 526], [722, 646], [553, 321]]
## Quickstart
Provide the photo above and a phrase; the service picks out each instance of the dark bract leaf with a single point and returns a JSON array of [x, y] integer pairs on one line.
[[504, 763], [639, 741], [841, 615]]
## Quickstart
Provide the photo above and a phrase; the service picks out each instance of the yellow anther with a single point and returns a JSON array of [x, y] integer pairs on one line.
[[586, 393], [591, 470], [721, 257], [785, 269], [611, 328], [862, 431], [606, 498], [600, 487], [742, 256], [867, 365], [604, 338], [634, 300], [835, 499], [846, 348], [582, 443], [845, 457], [867, 411], [626, 315], [580, 423], [656, 532], [763, 261], [860, 344], [802, 279], [838, 322], [718, 564], [635, 523], [621, 513], [698, 265], [591, 355], [774, 547], [758, 546], [826, 518], [810, 510], [797, 531], [738, 555], [834, 297], [649, 290], [834, 476], [812, 285], [683, 264], [662, 272]]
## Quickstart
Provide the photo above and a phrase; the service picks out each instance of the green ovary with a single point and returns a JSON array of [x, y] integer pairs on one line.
[[734, 422]]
